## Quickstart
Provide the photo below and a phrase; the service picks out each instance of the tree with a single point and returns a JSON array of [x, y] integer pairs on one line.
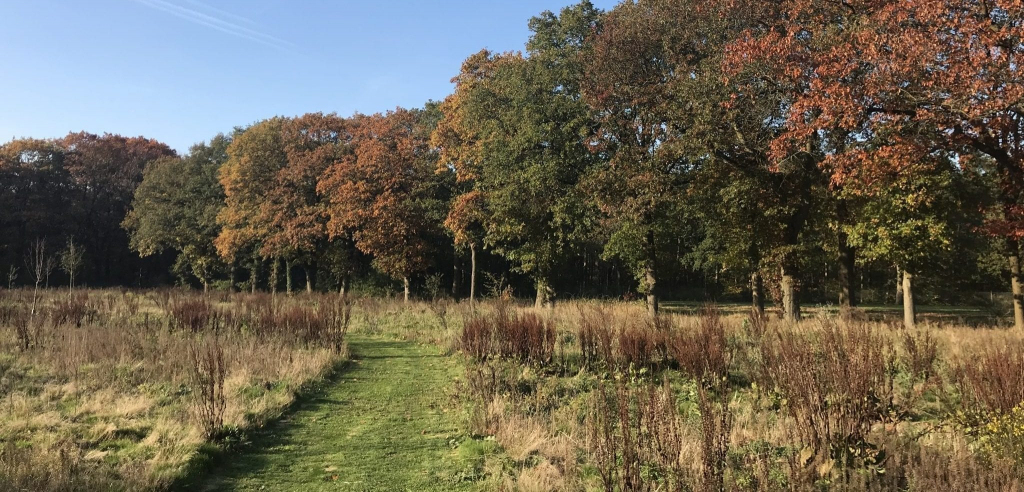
[[71, 261], [297, 220], [40, 264], [176, 206], [105, 170], [36, 195], [466, 220], [460, 152], [515, 128], [920, 72], [912, 218], [255, 157], [380, 193], [627, 82]]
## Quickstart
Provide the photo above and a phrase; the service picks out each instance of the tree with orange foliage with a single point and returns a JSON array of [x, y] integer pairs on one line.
[[312, 143], [381, 194], [465, 221], [255, 157]]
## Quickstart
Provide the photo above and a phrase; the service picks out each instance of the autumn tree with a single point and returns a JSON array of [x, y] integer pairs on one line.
[[917, 72], [106, 170], [465, 221], [294, 209], [910, 219], [460, 152], [381, 193], [176, 206], [255, 157]]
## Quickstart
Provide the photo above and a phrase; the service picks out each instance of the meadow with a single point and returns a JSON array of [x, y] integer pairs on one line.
[[171, 389]]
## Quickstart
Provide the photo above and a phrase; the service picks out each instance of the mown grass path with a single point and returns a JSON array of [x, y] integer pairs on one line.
[[382, 424]]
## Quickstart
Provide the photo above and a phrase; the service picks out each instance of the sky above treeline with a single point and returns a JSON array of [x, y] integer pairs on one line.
[[181, 71]]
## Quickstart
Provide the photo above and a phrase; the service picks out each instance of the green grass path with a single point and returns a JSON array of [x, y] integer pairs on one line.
[[382, 424]]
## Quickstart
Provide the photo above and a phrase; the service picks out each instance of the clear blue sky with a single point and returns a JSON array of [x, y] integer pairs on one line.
[[181, 71]]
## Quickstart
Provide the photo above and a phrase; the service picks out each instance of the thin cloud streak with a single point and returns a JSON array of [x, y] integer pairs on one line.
[[225, 13], [217, 24]]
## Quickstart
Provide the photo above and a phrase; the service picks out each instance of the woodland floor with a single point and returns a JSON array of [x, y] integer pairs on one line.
[[386, 422]]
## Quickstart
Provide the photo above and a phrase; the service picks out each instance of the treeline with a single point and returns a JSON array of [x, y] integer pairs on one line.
[[793, 151]]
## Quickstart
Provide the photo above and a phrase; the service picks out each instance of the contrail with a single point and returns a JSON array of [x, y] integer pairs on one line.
[[215, 23], [224, 13]]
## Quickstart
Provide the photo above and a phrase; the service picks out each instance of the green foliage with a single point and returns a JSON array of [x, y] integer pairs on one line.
[[176, 206]]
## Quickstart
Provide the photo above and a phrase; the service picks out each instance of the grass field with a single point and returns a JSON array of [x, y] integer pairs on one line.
[[118, 390], [386, 422]]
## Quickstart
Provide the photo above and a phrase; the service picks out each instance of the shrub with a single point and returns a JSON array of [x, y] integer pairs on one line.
[[208, 371], [476, 337], [71, 310], [525, 337], [702, 354], [633, 431], [190, 313], [922, 352], [837, 383], [993, 379], [637, 346], [593, 334]]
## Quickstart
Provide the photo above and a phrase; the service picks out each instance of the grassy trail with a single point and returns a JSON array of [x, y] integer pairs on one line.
[[382, 424]]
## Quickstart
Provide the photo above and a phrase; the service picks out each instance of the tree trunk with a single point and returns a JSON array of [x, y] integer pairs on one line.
[[650, 276], [472, 273], [233, 272], [254, 275], [288, 276], [310, 273], [275, 266], [405, 283], [847, 260], [899, 286], [790, 302], [455, 274], [545, 294], [206, 286], [757, 293], [343, 282], [909, 311], [1015, 281]]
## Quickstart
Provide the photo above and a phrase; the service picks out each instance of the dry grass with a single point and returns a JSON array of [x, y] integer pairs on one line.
[[756, 404], [116, 390]]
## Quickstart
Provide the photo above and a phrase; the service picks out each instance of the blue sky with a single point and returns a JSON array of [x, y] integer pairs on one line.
[[181, 71]]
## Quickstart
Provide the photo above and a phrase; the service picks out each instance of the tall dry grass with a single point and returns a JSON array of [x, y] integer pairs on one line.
[[118, 390]]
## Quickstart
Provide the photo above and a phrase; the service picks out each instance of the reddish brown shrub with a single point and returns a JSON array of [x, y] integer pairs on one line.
[[476, 337], [525, 337], [190, 313], [993, 379], [71, 310], [702, 353], [637, 346], [208, 372], [837, 381]]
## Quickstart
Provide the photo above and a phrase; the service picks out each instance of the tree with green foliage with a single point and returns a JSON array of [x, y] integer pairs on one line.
[[176, 207], [522, 125]]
